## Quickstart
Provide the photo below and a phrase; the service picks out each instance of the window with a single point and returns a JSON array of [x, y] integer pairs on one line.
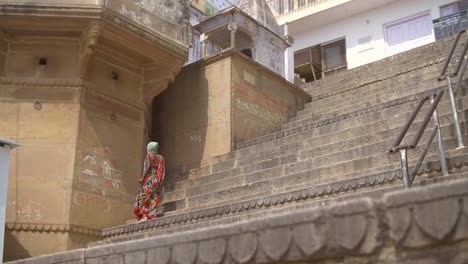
[[318, 61], [408, 33], [334, 54], [453, 8]]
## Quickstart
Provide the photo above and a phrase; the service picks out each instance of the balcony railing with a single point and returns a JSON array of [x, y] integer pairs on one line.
[[281, 7], [450, 25]]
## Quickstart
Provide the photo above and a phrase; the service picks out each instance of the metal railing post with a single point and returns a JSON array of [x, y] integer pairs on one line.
[[404, 167], [453, 103], [443, 161]]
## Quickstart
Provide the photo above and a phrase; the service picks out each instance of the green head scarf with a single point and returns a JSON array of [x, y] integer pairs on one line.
[[152, 147]]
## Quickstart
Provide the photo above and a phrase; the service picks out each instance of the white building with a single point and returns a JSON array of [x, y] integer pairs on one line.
[[332, 35]]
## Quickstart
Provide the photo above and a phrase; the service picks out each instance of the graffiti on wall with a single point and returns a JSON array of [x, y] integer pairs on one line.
[[260, 112], [255, 113], [100, 172], [92, 201], [27, 211]]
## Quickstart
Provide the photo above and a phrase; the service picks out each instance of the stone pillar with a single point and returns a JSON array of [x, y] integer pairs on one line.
[[233, 28], [5, 147], [203, 38], [288, 56]]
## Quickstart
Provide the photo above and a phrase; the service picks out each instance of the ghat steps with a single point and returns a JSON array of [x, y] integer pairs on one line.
[[334, 149], [281, 191]]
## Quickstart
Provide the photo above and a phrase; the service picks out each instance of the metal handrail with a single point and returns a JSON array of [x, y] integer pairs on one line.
[[446, 75], [443, 74], [403, 149], [396, 145]]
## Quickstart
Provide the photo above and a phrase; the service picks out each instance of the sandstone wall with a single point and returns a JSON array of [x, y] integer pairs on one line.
[[192, 119]]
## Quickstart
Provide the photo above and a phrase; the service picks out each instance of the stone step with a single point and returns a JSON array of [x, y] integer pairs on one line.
[[320, 138], [268, 142], [409, 81], [383, 69], [344, 163], [318, 143], [395, 111], [299, 181], [311, 116], [345, 120], [259, 207], [371, 95], [232, 190]]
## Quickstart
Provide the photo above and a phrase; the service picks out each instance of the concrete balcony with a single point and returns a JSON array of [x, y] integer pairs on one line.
[[319, 12]]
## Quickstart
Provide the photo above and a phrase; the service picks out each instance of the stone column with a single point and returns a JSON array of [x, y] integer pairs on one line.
[[5, 147], [233, 28], [288, 56], [203, 38]]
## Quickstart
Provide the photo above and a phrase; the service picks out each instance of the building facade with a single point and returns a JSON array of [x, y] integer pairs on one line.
[[77, 79], [333, 35]]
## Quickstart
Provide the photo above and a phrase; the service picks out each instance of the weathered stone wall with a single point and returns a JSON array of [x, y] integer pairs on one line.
[[170, 18], [41, 112], [268, 46], [191, 119], [262, 101], [75, 82], [202, 124]]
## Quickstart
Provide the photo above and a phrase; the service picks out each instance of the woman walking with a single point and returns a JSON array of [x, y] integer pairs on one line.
[[147, 199]]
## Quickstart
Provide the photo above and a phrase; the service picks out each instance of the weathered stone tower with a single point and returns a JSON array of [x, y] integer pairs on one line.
[[77, 79]]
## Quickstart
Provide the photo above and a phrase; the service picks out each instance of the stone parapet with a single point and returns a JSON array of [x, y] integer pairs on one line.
[[167, 19], [410, 226]]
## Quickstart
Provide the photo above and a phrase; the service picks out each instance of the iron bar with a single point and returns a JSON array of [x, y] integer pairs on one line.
[[440, 140], [404, 167], [449, 57], [462, 58], [410, 121], [397, 148], [460, 76], [423, 155], [427, 118], [453, 104]]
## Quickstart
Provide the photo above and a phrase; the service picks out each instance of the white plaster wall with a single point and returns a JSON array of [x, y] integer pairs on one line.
[[4, 164], [370, 23]]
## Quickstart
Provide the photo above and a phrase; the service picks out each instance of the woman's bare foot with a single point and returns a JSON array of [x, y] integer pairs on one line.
[[144, 218]]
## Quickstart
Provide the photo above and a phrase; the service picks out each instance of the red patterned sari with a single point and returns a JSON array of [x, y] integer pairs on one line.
[[147, 199]]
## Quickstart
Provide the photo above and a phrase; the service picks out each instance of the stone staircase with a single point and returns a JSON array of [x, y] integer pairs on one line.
[[335, 149]]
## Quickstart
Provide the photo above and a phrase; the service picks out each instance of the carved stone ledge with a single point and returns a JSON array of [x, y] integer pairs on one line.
[[41, 83], [54, 228], [428, 215]]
